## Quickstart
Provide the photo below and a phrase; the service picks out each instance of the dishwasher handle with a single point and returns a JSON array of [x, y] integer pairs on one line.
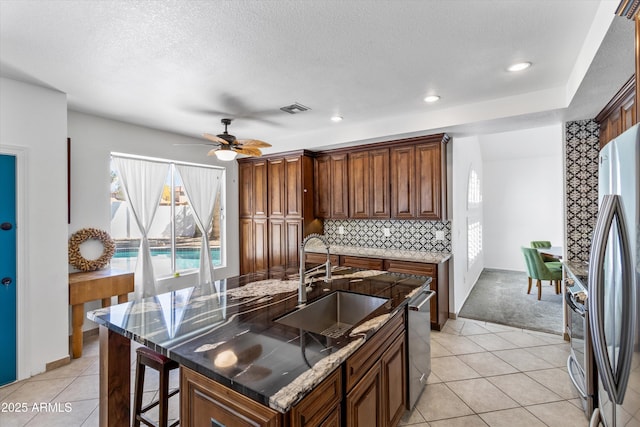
[[416, 303]]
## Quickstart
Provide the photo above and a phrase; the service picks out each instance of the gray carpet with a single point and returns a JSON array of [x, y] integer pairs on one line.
[[500, 296]]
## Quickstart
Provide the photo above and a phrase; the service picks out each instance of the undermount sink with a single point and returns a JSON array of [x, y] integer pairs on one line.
[[334, 314]]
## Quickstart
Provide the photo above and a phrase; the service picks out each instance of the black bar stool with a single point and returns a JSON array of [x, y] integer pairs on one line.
[[163, 365]]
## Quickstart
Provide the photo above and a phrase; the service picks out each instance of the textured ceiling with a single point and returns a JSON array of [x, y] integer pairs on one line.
[[181, 66]]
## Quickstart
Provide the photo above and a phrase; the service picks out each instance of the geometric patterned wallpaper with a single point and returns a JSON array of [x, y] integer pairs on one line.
[[581, 171], [403, 234]]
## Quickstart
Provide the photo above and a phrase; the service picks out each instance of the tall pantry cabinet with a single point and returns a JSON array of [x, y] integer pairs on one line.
[[276, 209]]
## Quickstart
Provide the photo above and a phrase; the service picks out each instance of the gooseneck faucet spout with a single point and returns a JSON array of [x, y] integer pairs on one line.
[[302, 288]]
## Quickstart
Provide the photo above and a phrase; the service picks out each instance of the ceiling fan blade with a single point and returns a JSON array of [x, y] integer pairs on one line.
[[249, 151], [252, 143], [212, 152], [215, 139]]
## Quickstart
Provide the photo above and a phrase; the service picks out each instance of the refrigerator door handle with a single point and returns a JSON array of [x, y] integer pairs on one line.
[[615, 383]]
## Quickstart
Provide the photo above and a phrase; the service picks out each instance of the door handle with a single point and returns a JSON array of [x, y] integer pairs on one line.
[[6, 226], [6, 281]]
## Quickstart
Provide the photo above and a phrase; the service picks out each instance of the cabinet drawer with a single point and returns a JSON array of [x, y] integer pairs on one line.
[[366, 356], [361, 262], [418, 268], [203, 400], [315, 258], [318, 404]]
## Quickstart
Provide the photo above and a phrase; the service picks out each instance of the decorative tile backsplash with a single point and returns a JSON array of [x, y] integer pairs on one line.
[[403, 234], [581, 163]]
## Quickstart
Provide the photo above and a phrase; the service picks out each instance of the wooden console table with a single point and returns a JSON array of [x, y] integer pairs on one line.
[[91, 286]]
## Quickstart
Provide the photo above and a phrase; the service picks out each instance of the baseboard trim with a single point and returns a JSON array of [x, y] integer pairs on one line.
[[453, 316], [57, 363]]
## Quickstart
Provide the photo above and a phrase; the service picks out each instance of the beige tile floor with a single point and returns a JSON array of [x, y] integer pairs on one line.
[[482, 375]]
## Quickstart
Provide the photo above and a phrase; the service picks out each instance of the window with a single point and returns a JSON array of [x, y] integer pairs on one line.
[[175, 240], [474, 218]]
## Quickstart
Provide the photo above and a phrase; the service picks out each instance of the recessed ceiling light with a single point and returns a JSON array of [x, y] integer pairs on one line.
[[519, 66], [336, 119], [431, 98]]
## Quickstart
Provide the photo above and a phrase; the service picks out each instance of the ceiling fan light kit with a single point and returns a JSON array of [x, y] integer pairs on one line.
[[229, 147]]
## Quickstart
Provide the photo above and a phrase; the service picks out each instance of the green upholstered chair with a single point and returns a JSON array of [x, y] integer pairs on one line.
[[544, 244], [540, 270]]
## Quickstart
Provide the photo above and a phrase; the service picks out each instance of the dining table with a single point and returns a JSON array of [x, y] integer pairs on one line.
[[554, 251]]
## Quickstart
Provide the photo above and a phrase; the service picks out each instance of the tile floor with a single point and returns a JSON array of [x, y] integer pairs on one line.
[[483, 374]]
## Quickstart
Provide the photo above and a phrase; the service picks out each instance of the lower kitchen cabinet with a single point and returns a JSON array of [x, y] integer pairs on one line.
[[363, 406], [204, 402], [376, 378], [321, 407]]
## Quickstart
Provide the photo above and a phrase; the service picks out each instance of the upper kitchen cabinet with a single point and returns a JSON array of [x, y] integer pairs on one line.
[[331, 186], [619, 114], [402, 179], [431, 181], [369, 184]]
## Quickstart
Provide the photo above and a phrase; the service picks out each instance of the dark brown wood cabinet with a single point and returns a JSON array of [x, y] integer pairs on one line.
[[276, 205], [431, 189], [321, 407], [331, 187], [403, 166], [619, 114], [369, 184], [204, 402], [403, 179], [376, 378]]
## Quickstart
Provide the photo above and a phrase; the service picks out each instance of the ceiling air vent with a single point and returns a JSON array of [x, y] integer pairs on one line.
[[294, 108]]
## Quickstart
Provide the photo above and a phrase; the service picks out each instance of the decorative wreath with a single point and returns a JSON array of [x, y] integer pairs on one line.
[[75, 257]]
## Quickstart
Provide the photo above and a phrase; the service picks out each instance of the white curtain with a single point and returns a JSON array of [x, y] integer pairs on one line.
[[143, 182], [201, 186]]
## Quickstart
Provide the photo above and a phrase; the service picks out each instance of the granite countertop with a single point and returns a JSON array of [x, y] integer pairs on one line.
[[394, 254], [578, 272], [227, 331]]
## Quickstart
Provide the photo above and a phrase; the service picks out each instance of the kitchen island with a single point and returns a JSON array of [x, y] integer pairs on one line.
[[226, 340]]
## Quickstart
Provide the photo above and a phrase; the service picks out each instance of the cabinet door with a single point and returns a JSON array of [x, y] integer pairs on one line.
[[294, 239], [394, 382], [379, 206], [322, 189], [429, 181], [245, 179], [359, 185], [276, 185], [338, 188], [247, 248], [363, 406], [294, 187], [260, 188], [320, 407], [277, 243], [261, 244], [403, 182]]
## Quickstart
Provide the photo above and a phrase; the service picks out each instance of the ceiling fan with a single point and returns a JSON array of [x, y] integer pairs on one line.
[[229, 147]]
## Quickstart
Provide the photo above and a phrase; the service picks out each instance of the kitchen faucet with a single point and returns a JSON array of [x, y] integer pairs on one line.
[[302, 289]]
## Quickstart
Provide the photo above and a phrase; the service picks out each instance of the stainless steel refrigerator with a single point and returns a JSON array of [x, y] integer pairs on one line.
[[614, 278]]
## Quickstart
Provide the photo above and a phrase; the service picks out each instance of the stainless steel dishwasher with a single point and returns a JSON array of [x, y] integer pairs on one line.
[[419, 343]]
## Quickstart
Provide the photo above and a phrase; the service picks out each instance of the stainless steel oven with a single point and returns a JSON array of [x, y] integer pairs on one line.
[[581, 361]]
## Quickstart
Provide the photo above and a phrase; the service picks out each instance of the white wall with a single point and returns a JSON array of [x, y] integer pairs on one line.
[[523, 193], [466, 154], [94, 138], [34, 126]]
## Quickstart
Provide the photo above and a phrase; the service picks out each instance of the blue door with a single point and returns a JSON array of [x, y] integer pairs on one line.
[[7, 269]]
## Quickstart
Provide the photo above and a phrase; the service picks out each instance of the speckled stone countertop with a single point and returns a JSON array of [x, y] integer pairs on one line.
[[227, 331], [578, 271], [395, 254]]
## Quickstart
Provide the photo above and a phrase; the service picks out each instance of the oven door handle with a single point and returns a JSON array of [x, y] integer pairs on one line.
[[568, 296], [570, 363]]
